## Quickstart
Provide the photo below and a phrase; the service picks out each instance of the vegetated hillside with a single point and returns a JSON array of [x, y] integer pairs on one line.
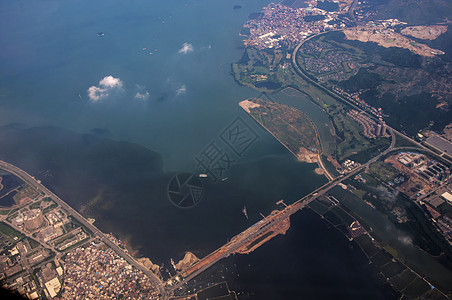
[[413, 11]]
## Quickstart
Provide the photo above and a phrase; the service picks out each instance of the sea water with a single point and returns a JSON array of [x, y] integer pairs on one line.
[[161, 92]]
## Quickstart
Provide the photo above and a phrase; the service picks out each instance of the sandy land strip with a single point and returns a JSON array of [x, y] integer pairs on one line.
[[319, 171], [307, 156], [282, 228], [247, 105]]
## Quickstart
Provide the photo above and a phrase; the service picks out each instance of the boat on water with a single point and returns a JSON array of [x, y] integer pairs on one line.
[[245, 212], [202, 175], [100, 34]]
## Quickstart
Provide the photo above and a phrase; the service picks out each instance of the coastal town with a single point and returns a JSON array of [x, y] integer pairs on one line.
[[280, 25], [97, 272], [48, 252]]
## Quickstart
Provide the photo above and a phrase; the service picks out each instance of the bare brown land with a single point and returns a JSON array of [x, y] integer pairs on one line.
[[247, 105], [25, 196], [280, 228], [414, 182], [307, 156], [146, 262], [188, 260], [319, 171], [425, 32], [448, 132], [387, 37]]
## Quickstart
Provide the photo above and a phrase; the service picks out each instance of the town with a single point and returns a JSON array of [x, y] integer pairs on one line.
[[97, 272], [46, 251], [280, 25]]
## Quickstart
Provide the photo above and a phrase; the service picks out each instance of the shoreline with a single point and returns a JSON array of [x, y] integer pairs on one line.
[[303, 155], [370, 243]]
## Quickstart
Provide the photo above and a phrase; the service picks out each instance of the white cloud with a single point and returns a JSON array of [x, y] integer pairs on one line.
[[95, 93], [106, 85], [186, 48], [110, 82], [181, 90], [142, 96]]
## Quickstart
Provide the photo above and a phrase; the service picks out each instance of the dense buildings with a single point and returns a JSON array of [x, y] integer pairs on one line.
[[97, 272]]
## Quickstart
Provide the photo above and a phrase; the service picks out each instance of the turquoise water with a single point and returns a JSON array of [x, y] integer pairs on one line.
[[50, 54]]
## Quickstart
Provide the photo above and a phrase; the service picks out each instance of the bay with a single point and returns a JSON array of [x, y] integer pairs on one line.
[[112, 159]]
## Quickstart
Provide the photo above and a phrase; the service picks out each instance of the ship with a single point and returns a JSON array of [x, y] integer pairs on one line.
[[203, 175], [244, 212], [100, 34]]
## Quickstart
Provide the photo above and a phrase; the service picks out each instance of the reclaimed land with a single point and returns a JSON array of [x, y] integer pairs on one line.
[[289, 126]]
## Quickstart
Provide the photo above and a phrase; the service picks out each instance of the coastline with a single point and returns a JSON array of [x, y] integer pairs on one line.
[[304, 155], [387, 264]]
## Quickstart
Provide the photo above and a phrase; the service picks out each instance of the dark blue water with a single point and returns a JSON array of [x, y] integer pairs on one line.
[[313, 260], [8, 200], [124, 187], [9, 182]]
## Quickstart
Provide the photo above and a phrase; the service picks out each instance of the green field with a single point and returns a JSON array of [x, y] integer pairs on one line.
[[384, 172], [351, 144], [402, 141], [292, 127], [321, 51], [10, 232]]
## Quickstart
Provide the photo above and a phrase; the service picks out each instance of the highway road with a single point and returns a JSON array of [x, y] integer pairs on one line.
[[254, 232], [331, 93], [339, 97], [260, 228], [351, 10], [246, 237], [27, 178]]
